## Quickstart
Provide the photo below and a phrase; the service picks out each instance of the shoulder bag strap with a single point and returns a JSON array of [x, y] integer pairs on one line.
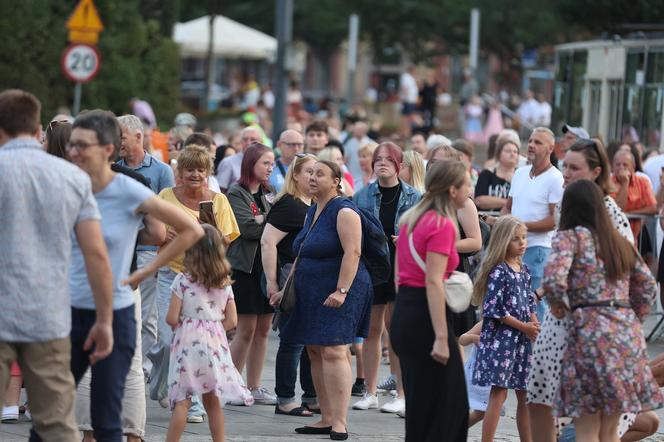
[[416, 256]]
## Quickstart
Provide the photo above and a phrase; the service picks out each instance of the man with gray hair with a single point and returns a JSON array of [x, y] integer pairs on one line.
[[229, 168], [159, 176], [536, 190], [290, 143]]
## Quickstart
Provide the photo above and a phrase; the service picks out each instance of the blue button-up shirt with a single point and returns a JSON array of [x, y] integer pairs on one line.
[[42, 199]]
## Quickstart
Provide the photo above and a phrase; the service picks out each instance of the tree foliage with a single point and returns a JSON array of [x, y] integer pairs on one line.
[[138, 56]]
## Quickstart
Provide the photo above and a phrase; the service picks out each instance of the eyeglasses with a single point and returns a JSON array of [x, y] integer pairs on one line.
[[306, 155], [80, 145]]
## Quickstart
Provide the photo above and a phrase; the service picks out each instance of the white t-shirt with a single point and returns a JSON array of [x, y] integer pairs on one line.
[[531, 198], [408, 88], [544, 114], [653, 168]]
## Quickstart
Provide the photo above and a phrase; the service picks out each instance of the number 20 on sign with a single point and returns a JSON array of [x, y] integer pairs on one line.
[[80, 62]]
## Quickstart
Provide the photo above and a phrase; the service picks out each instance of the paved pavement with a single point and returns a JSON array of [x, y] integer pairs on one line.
[[259, 423]]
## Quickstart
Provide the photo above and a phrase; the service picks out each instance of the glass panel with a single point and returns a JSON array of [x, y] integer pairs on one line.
[[615, 106], [595, 91], [631, 113], [578, 88], [652, 122], [655, 72]]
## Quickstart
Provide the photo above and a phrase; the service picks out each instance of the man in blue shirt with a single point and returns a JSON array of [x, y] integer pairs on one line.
[[160, 176], [291, 142]]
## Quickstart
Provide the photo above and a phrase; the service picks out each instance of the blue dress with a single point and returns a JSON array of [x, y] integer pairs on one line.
[[316, 277], [503, 357]]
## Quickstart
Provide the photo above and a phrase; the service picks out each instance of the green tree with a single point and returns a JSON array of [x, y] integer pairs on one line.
[[138, 56]]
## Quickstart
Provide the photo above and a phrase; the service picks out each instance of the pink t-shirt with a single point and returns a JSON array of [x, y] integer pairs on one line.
[[433, 233]]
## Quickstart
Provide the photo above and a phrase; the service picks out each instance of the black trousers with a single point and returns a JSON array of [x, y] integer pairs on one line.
[[436, 397]]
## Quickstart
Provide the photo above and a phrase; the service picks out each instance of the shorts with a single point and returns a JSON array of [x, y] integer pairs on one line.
[[408, 108], [249, 291], [384, 293]]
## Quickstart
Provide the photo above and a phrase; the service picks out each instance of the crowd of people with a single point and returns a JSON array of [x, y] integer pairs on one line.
[[132, 277]]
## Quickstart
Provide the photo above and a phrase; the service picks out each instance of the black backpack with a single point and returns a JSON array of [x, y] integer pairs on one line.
[[375, 251]]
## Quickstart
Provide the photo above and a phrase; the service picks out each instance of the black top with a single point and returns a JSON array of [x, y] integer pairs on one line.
[[388, 209], [490, 184], [287, 215]]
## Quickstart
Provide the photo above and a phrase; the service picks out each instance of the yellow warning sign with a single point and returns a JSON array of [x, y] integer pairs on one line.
[[84, 24]]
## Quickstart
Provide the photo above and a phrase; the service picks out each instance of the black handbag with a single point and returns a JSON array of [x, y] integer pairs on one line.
[[289, 297]]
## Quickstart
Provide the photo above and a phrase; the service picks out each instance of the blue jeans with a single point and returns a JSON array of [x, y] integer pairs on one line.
[[288, 357], [535, 258], [109, 374], [160, 351]]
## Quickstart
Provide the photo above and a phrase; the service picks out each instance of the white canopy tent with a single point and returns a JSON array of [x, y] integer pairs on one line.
[[231, 39]]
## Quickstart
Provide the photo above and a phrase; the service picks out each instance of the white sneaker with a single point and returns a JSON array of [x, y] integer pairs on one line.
[[195, 419], [367, 402], [402, 413], [10, 414], [163, 402], [394, 406], [263, 397]]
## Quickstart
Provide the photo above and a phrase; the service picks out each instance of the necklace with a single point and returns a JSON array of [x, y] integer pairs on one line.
[[533, 176], [396, 194]]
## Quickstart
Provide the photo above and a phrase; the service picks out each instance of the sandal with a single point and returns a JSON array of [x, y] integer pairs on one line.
[[312, 409], [301, 411]]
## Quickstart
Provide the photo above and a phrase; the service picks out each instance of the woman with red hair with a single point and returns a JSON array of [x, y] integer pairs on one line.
[[251, 198]]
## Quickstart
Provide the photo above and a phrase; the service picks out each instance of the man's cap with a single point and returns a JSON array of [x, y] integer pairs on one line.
[[578, 131]]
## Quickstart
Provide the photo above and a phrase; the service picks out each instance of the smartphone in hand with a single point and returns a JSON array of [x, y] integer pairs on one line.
[[205, 213]]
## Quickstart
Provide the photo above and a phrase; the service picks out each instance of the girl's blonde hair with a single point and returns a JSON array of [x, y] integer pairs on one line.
[[440, 178], [414, 161], [501, 235], [290, 185], [205, 262]]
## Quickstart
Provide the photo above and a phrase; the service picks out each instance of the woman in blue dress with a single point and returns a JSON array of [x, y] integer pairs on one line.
[[334, 294]]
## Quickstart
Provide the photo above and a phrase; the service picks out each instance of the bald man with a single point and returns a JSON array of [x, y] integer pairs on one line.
[[291, 142], [535, 191], [229, 169]]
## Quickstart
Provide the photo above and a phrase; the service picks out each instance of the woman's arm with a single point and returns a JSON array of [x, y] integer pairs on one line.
[[230, 316], [470, 224], [486, 202], [251, 226], [472, 336], [153, 233], [189, 231], [269, 240], [436, 264], [174, 309], [349, 229]]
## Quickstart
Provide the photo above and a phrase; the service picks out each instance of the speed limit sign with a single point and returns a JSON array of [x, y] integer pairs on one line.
[[80, 62]]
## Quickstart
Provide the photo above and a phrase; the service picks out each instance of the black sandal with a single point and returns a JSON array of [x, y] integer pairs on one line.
[[298, 411], [313, 410], [313, 430]]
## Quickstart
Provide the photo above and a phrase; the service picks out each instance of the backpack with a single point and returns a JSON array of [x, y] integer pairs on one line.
[[375, 251]]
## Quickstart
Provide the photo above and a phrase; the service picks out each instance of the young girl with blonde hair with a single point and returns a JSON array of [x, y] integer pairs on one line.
[[502, 287]]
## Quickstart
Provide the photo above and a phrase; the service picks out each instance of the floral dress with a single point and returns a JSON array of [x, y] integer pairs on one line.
[[605, 366], [200, 358], [503, 357]]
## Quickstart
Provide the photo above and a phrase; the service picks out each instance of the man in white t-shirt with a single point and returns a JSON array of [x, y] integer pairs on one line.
[[534, 193]]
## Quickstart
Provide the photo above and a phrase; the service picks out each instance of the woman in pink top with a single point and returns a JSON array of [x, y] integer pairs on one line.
[[421, 333]]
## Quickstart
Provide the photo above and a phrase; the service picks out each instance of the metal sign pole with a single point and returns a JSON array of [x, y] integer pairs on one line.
[[77, 99]]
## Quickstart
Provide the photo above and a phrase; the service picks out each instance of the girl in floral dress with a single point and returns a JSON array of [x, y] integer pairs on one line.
[[509, 324], [202, 309], [595, 274]]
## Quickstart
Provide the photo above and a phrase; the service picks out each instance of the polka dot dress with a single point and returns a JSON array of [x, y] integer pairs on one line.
[[544, 377]]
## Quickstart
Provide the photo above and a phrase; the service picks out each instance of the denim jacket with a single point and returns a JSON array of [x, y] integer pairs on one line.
[[369, 198]]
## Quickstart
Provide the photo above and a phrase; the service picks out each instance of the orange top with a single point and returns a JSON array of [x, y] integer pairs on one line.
[[639, 196]]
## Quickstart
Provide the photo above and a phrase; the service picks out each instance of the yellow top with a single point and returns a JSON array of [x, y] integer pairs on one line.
[[223, 214]]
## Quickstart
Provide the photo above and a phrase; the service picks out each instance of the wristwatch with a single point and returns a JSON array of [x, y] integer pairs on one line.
[[343, 290]]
